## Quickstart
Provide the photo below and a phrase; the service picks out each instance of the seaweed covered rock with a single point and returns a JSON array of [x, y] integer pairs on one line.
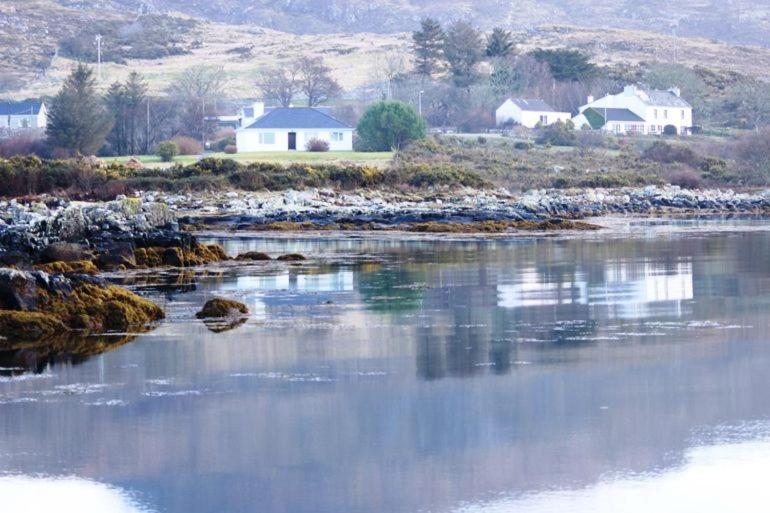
[[221, 308], [291, 257], [254, 256], [179, 256], [77, 267], [37, 304]]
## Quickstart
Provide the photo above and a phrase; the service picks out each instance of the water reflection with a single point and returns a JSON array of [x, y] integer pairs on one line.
[[725, 477], [449, 375], [23, 494]]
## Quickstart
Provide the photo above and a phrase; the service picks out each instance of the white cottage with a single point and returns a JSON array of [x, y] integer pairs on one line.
[[18, 117], [291, 129], [529, 113], [647, 111]]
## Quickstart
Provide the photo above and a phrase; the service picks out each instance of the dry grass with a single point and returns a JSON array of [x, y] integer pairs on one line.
[[353, 57]]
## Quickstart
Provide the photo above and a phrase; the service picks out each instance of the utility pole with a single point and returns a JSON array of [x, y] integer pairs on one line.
[[147, 137], [203, 124], [419, 102], [99, 57]]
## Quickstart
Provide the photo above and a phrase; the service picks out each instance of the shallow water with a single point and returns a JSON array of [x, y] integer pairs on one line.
[[576, 374]]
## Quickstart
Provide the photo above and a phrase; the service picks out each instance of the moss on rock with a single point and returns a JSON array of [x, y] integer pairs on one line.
[[77, 303], [198, 254], [79, 267], [18, 325]]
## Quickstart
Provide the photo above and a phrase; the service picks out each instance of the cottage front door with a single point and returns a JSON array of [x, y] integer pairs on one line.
[[292, 140]]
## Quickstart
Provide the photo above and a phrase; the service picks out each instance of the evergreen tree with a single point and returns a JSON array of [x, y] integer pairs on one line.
[[463, 50], [566, 65], [77, 120], [500, 43], [115, 100], [428, 44], [136, 112], [126, 102]]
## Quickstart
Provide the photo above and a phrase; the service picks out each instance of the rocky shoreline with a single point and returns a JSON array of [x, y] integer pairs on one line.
[[378, 210], [51, 249], [155, 229]]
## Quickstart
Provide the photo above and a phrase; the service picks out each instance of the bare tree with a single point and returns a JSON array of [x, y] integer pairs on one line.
[[280, 84], [198, 89], [316, 81]]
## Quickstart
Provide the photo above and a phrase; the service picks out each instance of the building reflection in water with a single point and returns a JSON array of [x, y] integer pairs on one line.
[[627, 292]]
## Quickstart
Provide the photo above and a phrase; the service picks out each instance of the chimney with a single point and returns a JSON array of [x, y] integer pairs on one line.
[[590, 98], [676, 91], [259, 109], [629, 90]]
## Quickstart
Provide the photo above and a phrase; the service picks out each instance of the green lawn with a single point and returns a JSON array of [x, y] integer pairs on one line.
[[379, 159]]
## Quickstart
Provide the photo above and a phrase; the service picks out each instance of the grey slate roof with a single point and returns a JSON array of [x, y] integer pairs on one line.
[[20, 108], [658, 98], [617, 115], [298, 118], [532, 105]]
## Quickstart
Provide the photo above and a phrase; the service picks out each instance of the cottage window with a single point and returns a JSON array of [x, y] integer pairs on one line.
[[544, 119], [267, 138], [683, 114], [665, 114], [656, 113], [25, 123], [338, 136]]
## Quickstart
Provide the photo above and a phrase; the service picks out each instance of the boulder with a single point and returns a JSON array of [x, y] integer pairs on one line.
[[18, 290], [66, 252], [221, 308], [254, 256]]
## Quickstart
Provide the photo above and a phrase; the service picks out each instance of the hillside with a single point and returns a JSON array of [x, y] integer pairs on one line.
[[40, 40], [738, 21]]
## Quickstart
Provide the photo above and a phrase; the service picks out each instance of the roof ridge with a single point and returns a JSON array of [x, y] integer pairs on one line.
[[330, 116]]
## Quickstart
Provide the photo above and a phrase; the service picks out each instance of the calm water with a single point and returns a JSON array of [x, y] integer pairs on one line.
[[609, 373]]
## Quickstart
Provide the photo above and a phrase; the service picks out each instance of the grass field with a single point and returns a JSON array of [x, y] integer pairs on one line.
[[377, 159]]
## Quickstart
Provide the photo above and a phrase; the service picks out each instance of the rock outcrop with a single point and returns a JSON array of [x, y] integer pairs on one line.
[[35, 305]]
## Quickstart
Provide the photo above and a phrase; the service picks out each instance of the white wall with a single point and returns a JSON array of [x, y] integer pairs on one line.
[[247, 140], [509, 111], [656, 117]]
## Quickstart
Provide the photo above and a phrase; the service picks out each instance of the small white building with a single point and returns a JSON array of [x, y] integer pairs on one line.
[[16, 117], [291, 129], [655, 108], [529, 113]]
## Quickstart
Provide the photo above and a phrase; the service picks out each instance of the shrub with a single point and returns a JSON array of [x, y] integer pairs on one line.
[[557, 134], [231, 149], [167, 150], [23, 144], [390, 125], [667, 153], [686, 178], [221, 144], [523, 145], [714, 168], [212, 166], [317, 145], [669, 130], [187, 145], [427, 175]]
